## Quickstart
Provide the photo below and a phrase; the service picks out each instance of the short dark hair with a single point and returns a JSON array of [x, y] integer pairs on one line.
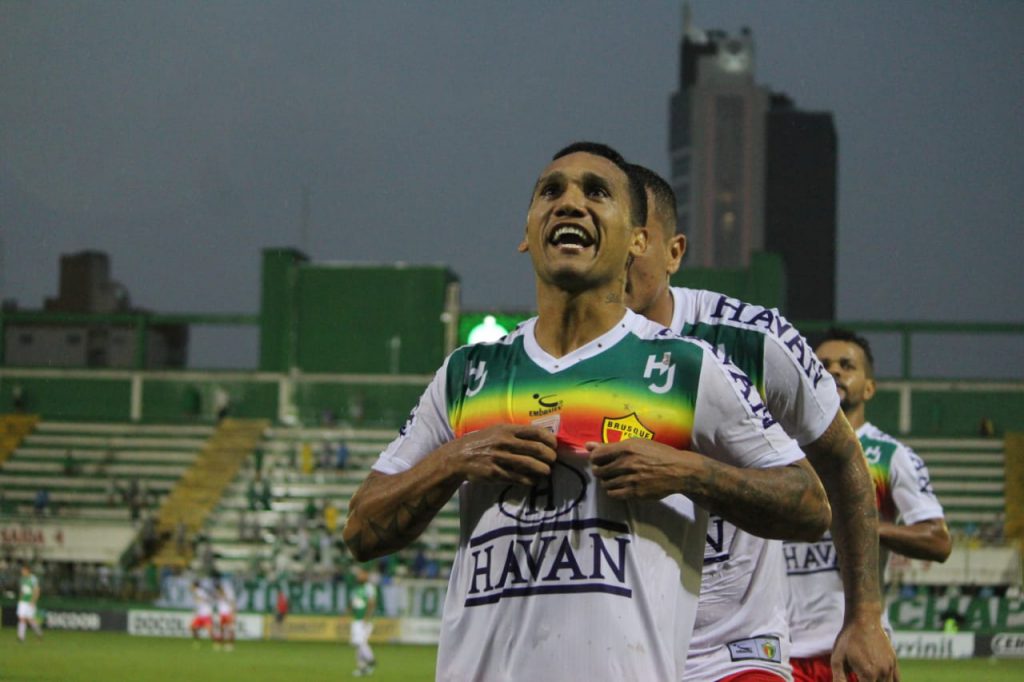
[[848, 335], [637, 194], [664, 196]]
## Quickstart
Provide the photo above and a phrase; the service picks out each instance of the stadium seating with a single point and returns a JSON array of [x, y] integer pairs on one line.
[[88, 467], [200, 488], [14, 428], [967, 476], [202, 476], [271, 540]]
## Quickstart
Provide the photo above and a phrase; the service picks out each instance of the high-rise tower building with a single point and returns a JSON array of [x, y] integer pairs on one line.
[[751, 173], [716, 147]]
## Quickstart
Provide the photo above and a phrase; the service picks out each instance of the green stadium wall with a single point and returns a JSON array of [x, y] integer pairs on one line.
[[940, 409], [353, 318]]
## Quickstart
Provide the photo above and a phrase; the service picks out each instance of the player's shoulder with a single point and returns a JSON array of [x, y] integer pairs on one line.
[[657, 336], [879, 445], [701, 306]]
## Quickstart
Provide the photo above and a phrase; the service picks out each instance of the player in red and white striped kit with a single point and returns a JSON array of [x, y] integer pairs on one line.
[[226, 605], [203, 614]]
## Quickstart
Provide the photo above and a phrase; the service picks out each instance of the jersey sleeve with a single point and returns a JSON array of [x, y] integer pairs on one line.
[[912, 492], [805, 401], [732, 424], [426, 429]]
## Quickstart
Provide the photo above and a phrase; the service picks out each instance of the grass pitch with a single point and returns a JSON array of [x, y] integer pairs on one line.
[[115, 657]]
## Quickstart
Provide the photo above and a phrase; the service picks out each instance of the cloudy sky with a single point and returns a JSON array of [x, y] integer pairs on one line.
[[178, 137]]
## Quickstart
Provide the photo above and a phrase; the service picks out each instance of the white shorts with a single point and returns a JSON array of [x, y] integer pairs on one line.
[[26, 609], [360, 631]]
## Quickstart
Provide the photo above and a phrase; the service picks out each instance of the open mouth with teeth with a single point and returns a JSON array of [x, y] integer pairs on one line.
[[570, 238]]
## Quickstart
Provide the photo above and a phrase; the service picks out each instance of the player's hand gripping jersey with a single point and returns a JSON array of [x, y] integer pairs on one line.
[[741, 616], [558, 581], [903, 492]]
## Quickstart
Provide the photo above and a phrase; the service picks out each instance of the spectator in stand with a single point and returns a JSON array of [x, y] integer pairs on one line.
[[266, 495], [112, 492], [307, 459], [326, 547], [146, 494], [70, 468], [132, 491], [341, 456], [326, 455], [221, 403], [243, 526], [42, 501], [181, 538], [419, 563], [302, 543], [252, 493], [328, 418], [356, 409], [331, 518], [281, 531], [148, 534], [19, 399]]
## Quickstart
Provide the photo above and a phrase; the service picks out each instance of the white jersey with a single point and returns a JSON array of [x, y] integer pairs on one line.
[[203, 601], [559, 581], [226, 599], [904, 493], [741, 616]]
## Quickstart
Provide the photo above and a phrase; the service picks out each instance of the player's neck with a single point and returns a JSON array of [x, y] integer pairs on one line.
[[663, 308], [856, 417], [567, 321]]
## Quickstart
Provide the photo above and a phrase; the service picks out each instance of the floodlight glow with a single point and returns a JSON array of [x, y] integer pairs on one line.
[[487, 331]]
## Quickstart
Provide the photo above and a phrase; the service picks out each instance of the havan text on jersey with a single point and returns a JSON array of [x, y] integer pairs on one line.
[[810, 557], [550, 538]]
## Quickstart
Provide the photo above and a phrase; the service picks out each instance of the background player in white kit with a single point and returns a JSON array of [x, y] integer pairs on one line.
[[903, 492], [202, 618], [572, 567], [28, 597], [741, 631], [226, 606]]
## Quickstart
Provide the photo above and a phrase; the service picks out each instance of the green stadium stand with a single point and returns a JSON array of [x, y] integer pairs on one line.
[[200, 488], [105, 458], [967, 476], [271, 540]]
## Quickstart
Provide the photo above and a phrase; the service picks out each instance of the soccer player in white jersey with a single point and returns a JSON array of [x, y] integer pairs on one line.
[[202, 618], [226, 605], [740, 632], [569, 442], [911, 523], [28, 596]]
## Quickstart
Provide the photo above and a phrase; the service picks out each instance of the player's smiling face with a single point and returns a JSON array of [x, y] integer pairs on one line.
[[579, 229]]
